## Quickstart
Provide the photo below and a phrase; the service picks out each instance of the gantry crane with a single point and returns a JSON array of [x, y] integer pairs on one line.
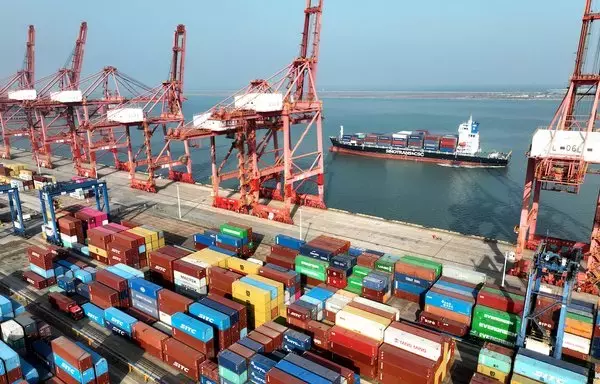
[[561, 153], [16, 96], [275, 127]]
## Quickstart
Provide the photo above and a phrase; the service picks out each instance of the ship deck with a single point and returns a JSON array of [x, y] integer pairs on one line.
[[477, 253]]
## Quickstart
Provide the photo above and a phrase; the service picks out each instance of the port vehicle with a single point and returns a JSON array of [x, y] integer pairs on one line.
[[65, 304], [458, 150]]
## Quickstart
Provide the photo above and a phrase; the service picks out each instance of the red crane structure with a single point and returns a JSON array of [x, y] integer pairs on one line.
[[56, 107], [276, 130], [131, 113], [561, 153], [16, 95]]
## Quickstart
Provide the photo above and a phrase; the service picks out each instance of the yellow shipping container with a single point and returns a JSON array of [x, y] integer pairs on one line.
[[493, 373], [98, 251], [259, 298], [161, 242], [367, 315], [141, 232], [518, 379], [272, 283], [579, 328], [283, 311], [261, 318], [210, 257], [242, 266]]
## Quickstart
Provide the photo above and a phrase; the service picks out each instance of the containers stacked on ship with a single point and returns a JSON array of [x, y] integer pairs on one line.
[[400, 140], [411, 354], [415, 140], [193, 333], [41, 272], [161, 264], [579, 329], [431, 143], [497, 315], [72, 363], [496, 362], [235, 238], [153, 239], [71, 231], [448, 143], [384, 140], [413, 276], [371, 138], [288, 277], [284, 251], [144, 296], [530, 365]]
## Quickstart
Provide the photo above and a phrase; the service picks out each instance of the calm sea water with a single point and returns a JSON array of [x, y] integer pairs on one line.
[[482, 202]]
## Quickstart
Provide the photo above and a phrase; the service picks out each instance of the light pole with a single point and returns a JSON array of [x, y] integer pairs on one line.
[[178, 201], [504, 269], [300, 209]]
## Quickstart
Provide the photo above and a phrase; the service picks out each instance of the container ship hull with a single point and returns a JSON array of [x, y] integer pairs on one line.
[[420, 155]]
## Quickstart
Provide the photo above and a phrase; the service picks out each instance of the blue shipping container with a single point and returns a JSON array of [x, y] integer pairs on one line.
[[84, 377], [355, 251], [204, 239], [450, 303], [289, 242], [17, 308], [260, 365], [10, 357], [130, 270], [46, 274], [120, 319], [147, 300], [231, 241], [117, 330], [223, 251], [82, 289], [234, 316], [457, 288], [251, 344], [296, 341], [145, 287], [83, 275], [232, 361], [377, 283], [402, 278], [315, 368], [100, 363], [300, 373], [373, 252], [320, 294], [192, 327], [66, 283], [94, 313], [206, 380], [68, 265], [261, 285], [43, 352], [59, 270], [144, 307], [316, 253], [92, 271], [120, 273], [30, 374], [410, 288], [343, 262], [546, 372], [220, 320]]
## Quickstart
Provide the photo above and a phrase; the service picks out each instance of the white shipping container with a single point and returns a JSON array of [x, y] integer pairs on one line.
[[204, 121], [67, 96], [414, 344], [576, 343], [199, 263], [189, 280], [399, 136], [359, 324], [255, 261], [259, 102], [70, 239], [23, 94], [334, 305], [126, 115], [573, 144], [463, 274], [164, 317], [11, 331], [537, 346], [379, 306]]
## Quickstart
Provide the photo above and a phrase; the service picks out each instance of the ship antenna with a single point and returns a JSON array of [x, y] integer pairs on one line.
[[341, 131]]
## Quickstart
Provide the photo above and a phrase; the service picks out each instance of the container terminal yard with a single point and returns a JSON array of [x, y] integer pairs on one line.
[[116, 274]]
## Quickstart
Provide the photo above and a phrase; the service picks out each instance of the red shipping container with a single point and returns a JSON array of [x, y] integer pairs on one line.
[[297, 323], [103, 296], [336, 272], [447, 314], [407, 296], [278, 276], [367, 260], [208, 348], [320, 333], [71, 353], [141, 316], [210, 370], [372, 294], [170, 302], [100, 236], [40, 257], [346, 373], [111, 280], [576, 355], [415, 271], [34, 279], [354, 341], [52, 380], [445, 325], [288, 253], [64, 376], [77, 262], [376, 311], [150, 339], [239, 349], [51, 281], [128, 240], [271, 333], [338, 283], [183, 358], [282, 261], [407, 367], [500, 302], [162, 264], [295, 311], [361, 364], [241, 309], [268, 343], [223, 339], [103, 379], [99, 258], [220, 292], [277, 376], [189, 269], [122, 254]]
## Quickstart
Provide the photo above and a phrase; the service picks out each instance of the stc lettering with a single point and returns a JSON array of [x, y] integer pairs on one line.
[[181, 367], [66, 367], [187, 328]]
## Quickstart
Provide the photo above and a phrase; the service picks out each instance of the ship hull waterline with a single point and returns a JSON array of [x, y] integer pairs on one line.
[[407, 154]]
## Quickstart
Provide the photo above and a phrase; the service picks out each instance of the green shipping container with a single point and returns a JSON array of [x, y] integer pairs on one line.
[[414, 260], [495, 360], [310, 263], [504, 293], [385, 265], [484, 326], [355, 284], [485, 336], [505, 320], [583, 319], [321, 276], [234, 231], [359, 270]]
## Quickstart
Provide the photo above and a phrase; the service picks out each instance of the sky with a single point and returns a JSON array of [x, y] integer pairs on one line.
[[365, 45]]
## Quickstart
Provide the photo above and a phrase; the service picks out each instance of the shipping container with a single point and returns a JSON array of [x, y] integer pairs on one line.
[[183, 358], [61, 346], [548, 370]]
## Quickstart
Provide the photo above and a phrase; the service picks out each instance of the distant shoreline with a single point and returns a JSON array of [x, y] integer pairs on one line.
[[439, 95]]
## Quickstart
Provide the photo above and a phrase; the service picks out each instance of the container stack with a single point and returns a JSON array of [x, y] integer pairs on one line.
[[205, 239], [118, 322], [144, 296], [161, 264], [258, 300], [448, 143], [91, 218], [354, 350], [149, 339], [431, 143], [412, 354], [310, 306], [153, 239], [284, 251], [316, 256], [311, 268], [127, 248], [72, 363], [413, 277], [183, 358], [235, 238], [333, 305], [71, 231], [452, 301], [193, 333], [497, 315], [222, 319], [377, 285], [13, 335], [595, 348], [41, 272], [99, 238], [288, 277], [100, 365], [169, 303], [11, 369], [495, 362], [221, 281], [243, 267], [540, 368], [189, 279]]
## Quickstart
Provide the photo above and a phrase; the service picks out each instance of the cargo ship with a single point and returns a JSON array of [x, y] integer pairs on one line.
[[461, 150]]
